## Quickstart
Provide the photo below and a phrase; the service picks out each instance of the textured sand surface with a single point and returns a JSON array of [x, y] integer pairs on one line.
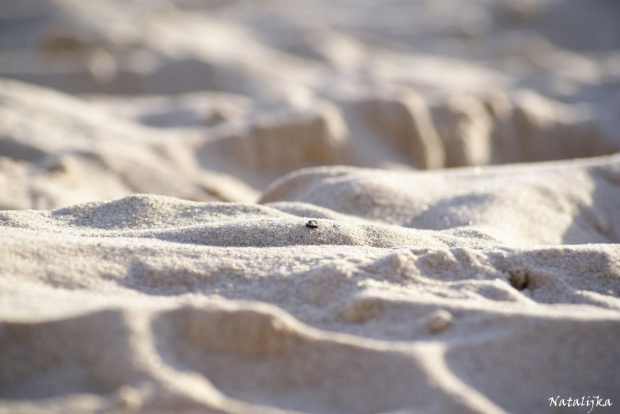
[[309, 207]]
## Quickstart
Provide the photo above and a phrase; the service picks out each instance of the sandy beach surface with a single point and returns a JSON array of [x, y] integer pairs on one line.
[[309, 207]]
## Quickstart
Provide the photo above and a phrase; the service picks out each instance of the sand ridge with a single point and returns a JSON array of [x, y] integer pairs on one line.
[[309, 207]]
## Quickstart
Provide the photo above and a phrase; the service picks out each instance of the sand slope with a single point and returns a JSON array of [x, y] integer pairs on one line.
[[264, 207]]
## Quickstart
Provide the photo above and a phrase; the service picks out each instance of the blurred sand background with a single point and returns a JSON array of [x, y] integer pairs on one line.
[[159, 162]]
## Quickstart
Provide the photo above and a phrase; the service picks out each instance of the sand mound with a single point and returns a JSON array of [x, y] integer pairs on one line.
[[555, 203], [228, 207], [368, 311]]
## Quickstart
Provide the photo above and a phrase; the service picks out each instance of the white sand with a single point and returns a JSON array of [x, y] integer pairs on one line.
[[157, 182]]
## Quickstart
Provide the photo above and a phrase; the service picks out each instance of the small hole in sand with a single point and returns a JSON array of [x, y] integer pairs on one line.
[[313, 224], [519, 279]]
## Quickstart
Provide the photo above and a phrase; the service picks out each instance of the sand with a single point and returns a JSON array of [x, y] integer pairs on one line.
[[309, 207]]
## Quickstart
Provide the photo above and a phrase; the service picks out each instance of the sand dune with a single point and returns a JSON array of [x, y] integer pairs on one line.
[[309, 207]]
